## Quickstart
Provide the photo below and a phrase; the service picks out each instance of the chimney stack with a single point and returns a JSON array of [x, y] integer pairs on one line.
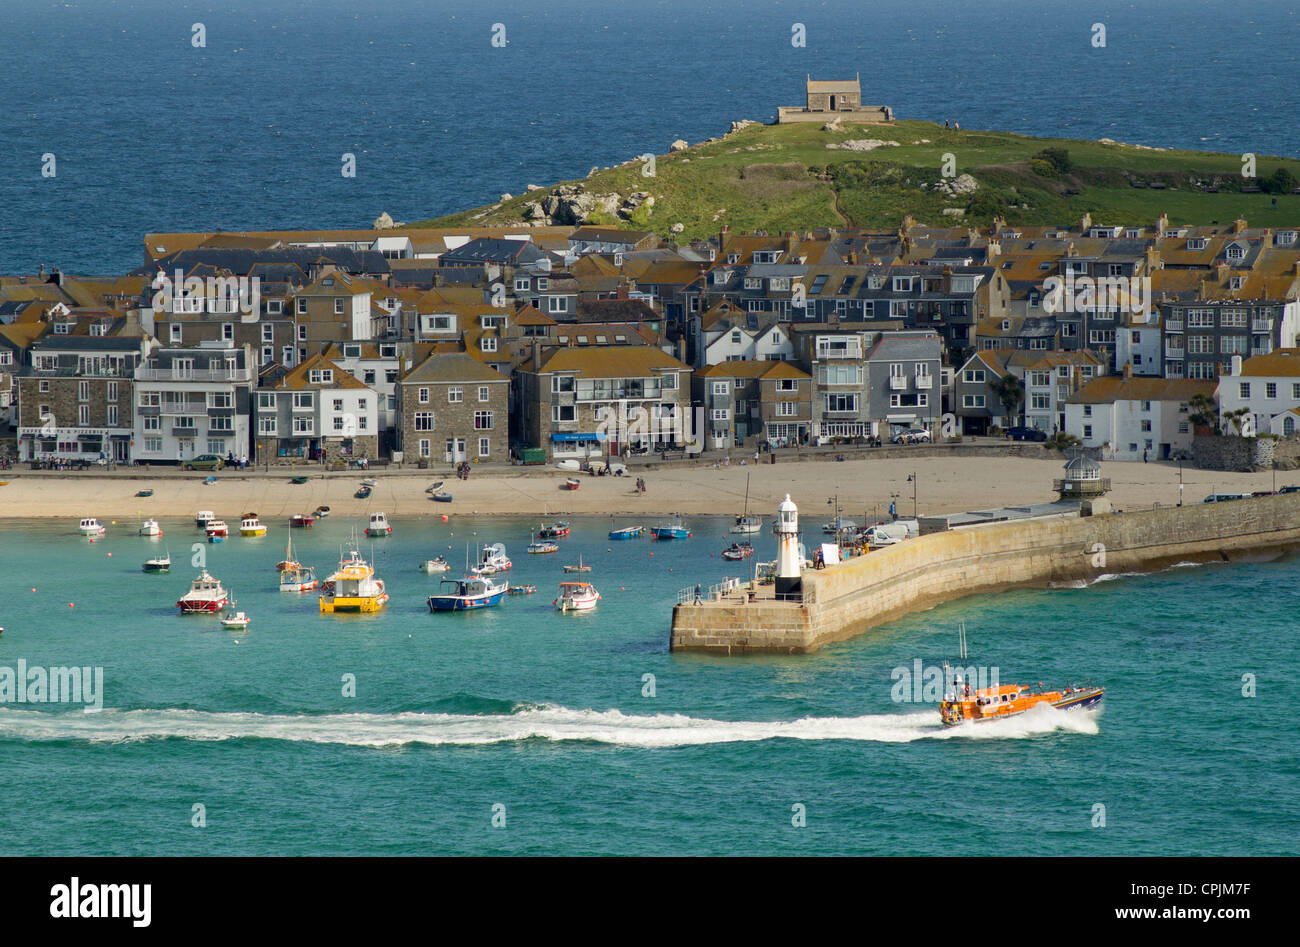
[[1236, 364], [1128, 369], [1085, 222], [1239, 225], [1162, 224]]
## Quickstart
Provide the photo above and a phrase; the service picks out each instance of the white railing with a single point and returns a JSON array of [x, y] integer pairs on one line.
[[897, 382], [924, 381], [712, 594], [193, 374]]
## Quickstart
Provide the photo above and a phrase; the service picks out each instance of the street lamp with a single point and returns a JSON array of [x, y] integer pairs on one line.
[[911, 478]]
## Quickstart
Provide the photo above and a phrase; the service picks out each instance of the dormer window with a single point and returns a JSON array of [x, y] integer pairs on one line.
[[1196, 243], [1286, 238], [321, 376], [543, 283], [1236, 252], [902, 284], [733, 258], [1236, 282]]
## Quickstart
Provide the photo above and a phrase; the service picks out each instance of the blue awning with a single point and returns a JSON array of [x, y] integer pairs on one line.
[[598, 436]]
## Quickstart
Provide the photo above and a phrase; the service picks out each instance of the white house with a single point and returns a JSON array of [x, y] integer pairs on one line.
[[1135, 418], [192, 401], [1267, 385]]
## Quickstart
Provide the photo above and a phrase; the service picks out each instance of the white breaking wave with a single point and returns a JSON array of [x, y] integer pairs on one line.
[[541, 723]]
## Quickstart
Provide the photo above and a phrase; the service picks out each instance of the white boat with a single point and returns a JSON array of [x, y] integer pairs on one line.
[[235, 621], [203, 517], [576, 597], [298, 578], [250, 525], [378, 525], [845, 526], [745, 524], [493, 560], [435, 565], [91, 527], [159, 565], [150, 528], [569, 465], [580, 566], [370, 482], [217, 531]]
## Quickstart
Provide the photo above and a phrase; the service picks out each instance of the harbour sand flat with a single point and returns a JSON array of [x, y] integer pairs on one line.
[[945, 484]]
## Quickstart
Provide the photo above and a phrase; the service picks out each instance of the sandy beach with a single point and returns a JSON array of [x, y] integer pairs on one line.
[[945, 484]]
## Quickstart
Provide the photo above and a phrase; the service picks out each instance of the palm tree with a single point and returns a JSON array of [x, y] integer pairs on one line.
[[1011, 392], [1204, 412]]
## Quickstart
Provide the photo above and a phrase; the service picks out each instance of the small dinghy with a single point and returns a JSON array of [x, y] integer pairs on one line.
[[435, 565]]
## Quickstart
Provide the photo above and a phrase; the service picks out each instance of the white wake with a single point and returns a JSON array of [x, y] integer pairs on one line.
[[530, 723]]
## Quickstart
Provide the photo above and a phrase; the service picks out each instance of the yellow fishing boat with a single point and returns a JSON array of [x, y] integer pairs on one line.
[[353, 586]]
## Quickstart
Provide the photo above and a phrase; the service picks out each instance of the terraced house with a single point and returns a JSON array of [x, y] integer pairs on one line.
[[75, 397], [453, 408], [746, 402], [316, 412], [569, 400], [193, 400]]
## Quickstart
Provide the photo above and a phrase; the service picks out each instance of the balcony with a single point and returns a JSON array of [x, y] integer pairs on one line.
[[1171, 352], [179, 430], [1173, 325], [1261, 325], [897, 382], [849, 352], [925, 382], [193, 374]]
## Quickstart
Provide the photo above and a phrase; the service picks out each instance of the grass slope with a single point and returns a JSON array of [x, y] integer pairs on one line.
[[783, 177]]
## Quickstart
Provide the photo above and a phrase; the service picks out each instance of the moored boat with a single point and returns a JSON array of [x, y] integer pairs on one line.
[[554, 531], [580, 566], [737, 551], [298, 578], [673, 529], [541, 547], [322, 511], [572, 483], [440, 497], [159, 565], [435, 565], [363, 493], [250, 525], [576, 597], [521, 590], [150, 527], [469, 593], [492, 560], [353, 587], [203, 518], [217, 531], [234, 620], [745, 524], [627, 532], [206, 594], [301, 521], [378, 525], [90, 526]]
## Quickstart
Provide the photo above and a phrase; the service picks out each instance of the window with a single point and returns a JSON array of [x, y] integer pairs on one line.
[[557, 303], [426, 447], [302, 305], [221, 399], [153, 445], [488, 343], [1146, 425], [973, 376], [286, 356], [151, 423], [266, 426], [221, 423], [423, 420], [1244, 389], [482, 420], [720, 414], [266, 400], [668, 382], [338, 305], [484, 446], [1087, 410], [484, 393], [787, 384], [972, 401], [338, 404], [842, 402], [455, 395], [268, 354], [321, 376], [228, 331], [422, 396], [1087, 430], [111, 419], [303, 399], [176, 333], [721, 388], [44, 387], [83, 391], [304, 425], [564, 383], [83, 415], [1270, 390], [564, 412]]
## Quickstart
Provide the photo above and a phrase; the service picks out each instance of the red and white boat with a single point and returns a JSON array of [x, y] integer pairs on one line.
[[217, 530], [301, 520], [206, 594]]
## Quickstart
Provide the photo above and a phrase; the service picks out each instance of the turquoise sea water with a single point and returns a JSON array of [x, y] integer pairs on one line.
[[545, 714]]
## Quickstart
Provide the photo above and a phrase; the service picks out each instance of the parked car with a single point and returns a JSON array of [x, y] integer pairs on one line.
[[916, 435], [1291, 489], [1224, 497], [1026, 434], [205, 462]]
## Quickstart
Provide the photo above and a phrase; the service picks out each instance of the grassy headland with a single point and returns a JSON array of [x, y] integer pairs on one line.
[[783, 177]]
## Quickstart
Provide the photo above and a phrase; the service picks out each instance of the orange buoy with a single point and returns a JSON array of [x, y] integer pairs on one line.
[[69, 605], [444, 517], [110, 555]]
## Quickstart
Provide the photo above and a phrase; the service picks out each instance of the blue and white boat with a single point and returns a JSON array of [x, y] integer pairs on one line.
[[462, 595], [627, 532], [673, 529]]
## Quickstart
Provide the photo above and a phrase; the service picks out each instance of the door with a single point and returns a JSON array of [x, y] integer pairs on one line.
[[121, 451], [455, 450]]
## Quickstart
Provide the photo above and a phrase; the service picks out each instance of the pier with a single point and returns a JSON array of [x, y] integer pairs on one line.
[[847, 599]]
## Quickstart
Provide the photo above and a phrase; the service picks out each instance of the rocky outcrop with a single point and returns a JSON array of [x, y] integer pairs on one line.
[[959, 186], [678, 145], [861, 144], [383, 222], [571, 205], [737, 126]]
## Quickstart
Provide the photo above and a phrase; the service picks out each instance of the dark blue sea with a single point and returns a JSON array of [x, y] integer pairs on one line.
[[152, 134]]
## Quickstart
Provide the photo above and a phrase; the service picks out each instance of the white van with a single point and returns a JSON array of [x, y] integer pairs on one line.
[[887, 534]]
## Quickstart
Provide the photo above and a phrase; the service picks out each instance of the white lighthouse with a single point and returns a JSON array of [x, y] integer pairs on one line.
[[789, 585]]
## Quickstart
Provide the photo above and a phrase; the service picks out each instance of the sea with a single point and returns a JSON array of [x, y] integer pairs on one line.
[[519, 730], [150, 132], [523, 731]]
